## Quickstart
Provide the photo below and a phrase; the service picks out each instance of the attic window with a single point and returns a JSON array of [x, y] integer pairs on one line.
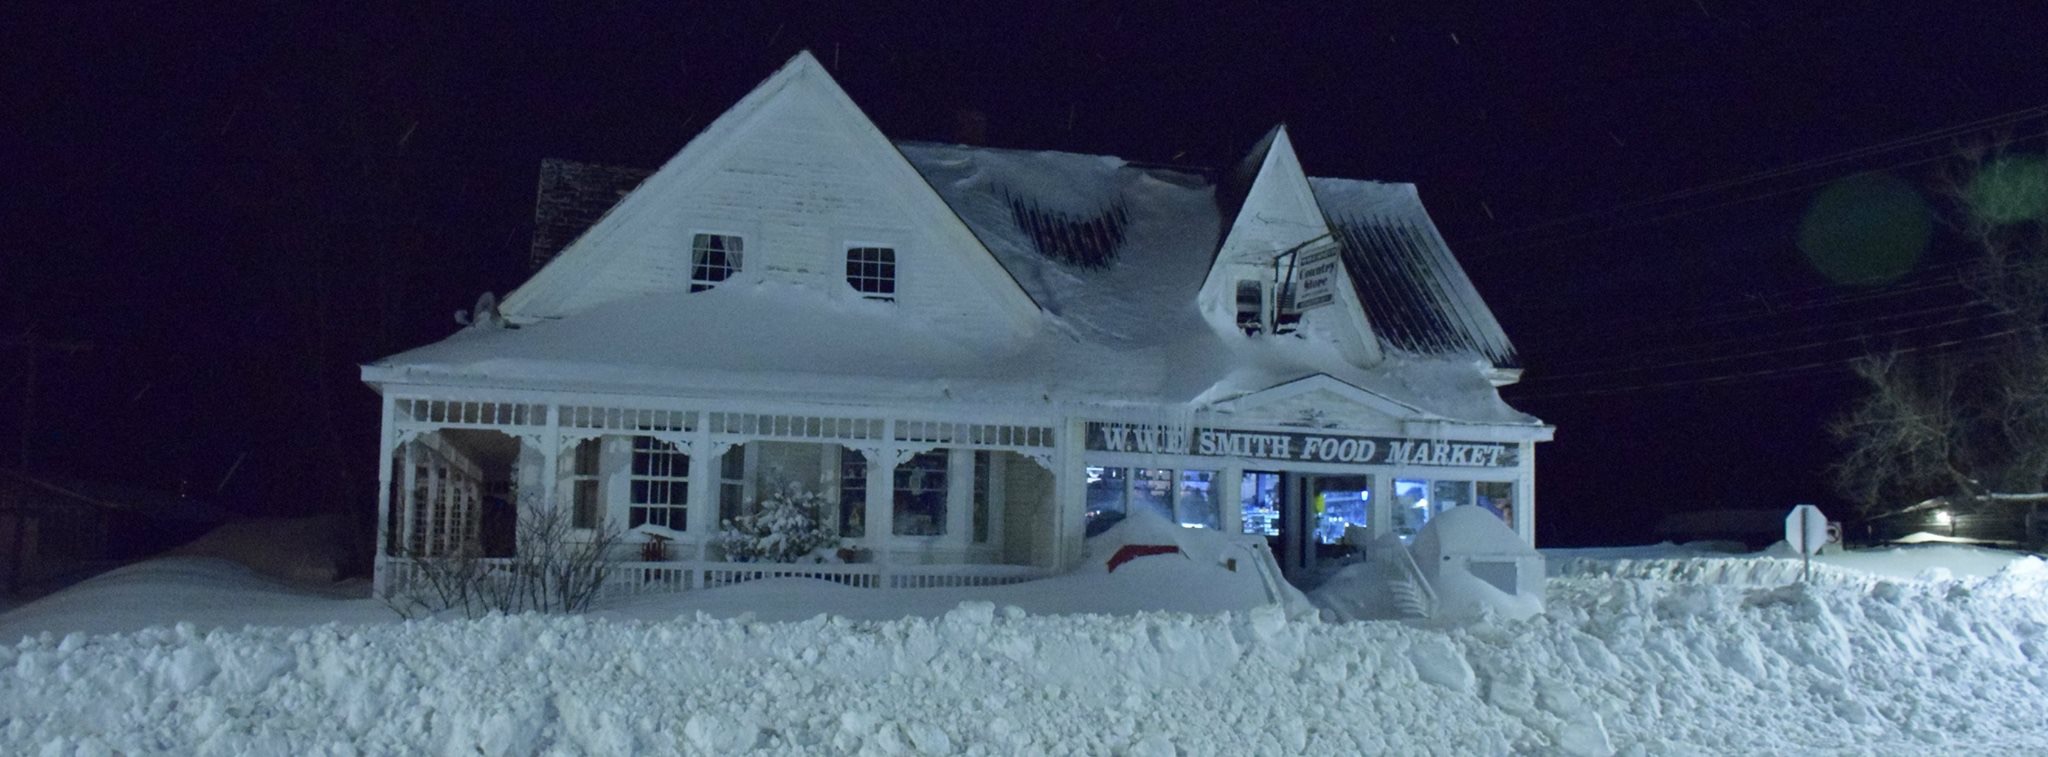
[[1251, 307], [1255, 317], [1286, 317], [871, 271], [713, 258]]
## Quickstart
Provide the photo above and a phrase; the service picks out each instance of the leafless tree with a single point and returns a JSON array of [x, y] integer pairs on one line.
[[555, 568], [1966, 426]]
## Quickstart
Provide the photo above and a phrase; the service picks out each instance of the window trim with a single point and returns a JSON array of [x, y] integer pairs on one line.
[[736, 258], [674, 480], [895, 264]]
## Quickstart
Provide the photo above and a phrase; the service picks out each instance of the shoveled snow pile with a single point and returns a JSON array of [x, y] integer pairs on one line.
[[1443, 554], [1627, 665]]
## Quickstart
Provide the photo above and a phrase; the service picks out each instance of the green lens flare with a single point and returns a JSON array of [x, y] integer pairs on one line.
[[2011, 189], [1866, 229]]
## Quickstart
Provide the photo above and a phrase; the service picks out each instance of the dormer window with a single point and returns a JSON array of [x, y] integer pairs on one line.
[[1251, 307], [1264, 309], [871, 271], [713, 258]]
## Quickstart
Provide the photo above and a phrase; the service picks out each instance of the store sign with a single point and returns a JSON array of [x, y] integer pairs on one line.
[[1308, 447], [1319, 274]]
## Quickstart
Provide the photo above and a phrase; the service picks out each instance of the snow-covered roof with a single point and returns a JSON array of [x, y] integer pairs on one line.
[[1415, 294], [1112, 251], [1095, 293], [1167, 224], [1075, 211]]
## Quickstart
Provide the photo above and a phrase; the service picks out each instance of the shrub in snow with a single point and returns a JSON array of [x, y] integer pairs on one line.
[[783, 528], [555, 568]]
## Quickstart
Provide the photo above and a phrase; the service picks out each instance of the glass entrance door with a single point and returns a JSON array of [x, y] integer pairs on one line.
[[1331, 507]]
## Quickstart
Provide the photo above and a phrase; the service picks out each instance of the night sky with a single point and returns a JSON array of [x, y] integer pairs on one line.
[[235, 208]]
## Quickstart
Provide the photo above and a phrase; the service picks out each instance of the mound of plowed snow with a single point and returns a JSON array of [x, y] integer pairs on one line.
[[1638, 666]]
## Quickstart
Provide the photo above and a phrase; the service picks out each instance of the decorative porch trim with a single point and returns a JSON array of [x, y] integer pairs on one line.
[[626, 579]]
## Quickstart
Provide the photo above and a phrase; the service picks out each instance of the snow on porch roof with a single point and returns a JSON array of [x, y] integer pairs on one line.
[[824, 350]]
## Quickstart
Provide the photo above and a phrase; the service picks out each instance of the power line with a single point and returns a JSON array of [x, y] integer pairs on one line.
[[1716, 206], [2004, 119], [1761, 353], [1953, 306], [1660, 325], [1724, 378]]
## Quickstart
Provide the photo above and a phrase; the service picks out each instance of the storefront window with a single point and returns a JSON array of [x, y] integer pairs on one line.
[[1259, 503], [1196, 504], [1107, 498], [1498, 497], [1411, 506], [1153, 488], [1449, 494], [1341, 502], [921, 495]]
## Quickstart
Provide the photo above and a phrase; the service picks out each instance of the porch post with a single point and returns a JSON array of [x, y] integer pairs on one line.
[[550, 461], [436, 467], [1229, 494], [408, 529], [881, 504], [384, 452], [1070, 504], [959, 498], [1525, 507], [1381, 516], [701, 510]]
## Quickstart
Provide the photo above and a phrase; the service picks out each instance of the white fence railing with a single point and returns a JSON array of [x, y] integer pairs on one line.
[[642, 578]]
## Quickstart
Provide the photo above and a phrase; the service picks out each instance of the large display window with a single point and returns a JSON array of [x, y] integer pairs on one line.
[[1183, 496], [1417, 500]]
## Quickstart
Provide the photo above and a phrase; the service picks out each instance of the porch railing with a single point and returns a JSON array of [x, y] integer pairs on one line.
[[625, 579]]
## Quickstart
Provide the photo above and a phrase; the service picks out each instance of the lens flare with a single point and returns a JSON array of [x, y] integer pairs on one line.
[[1866, 229], [2011, 189]]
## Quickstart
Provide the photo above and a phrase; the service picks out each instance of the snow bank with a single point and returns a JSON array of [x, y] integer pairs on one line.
[[1634, 666], [205, 592], [1446, 553]]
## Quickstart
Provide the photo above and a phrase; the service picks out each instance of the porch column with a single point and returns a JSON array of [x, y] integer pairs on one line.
[[1382, 513], [408, 529], [1525, 504], [1229, 492], [881, 504], [702, 488], [960, 498], [385, 450], [437, 474], [1069, 513], [550, 462]]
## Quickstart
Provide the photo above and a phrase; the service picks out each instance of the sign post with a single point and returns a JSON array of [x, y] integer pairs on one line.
[[1806, 529]]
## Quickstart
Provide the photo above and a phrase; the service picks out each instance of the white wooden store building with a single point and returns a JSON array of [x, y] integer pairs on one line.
[[975, 355]]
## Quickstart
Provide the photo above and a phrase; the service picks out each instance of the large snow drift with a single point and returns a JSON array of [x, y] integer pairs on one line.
[[1667, 664]]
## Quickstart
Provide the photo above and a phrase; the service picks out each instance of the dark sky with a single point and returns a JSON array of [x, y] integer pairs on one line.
[[234, 208]]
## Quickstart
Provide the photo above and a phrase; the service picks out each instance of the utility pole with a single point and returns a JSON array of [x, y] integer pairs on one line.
[[32, 348]]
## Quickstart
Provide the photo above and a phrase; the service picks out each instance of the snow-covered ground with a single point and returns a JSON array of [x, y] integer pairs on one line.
[[1660, 651]]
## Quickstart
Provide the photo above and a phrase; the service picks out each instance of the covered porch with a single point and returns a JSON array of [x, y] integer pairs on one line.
[[900, 501]]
